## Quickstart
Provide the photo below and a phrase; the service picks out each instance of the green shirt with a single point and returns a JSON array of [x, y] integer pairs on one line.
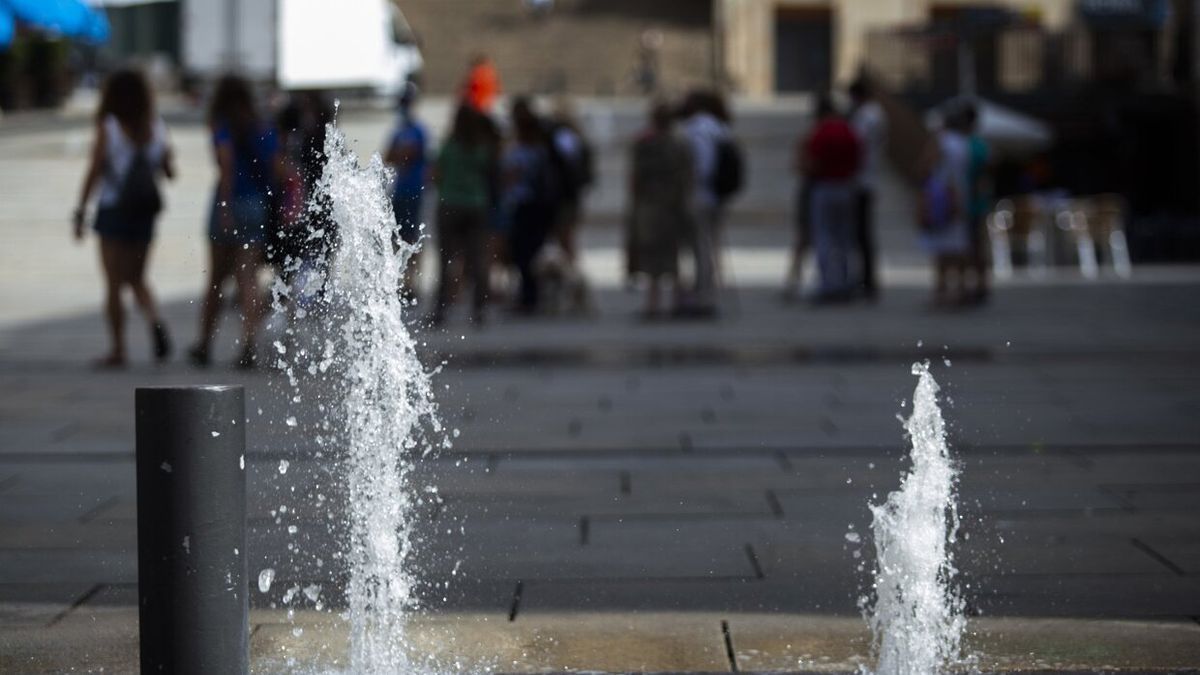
[[463, 175]]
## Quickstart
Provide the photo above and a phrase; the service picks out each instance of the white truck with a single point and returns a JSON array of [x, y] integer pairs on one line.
[[300, 44]]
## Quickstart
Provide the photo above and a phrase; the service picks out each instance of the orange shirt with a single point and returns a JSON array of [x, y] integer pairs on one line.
[[482, 86]]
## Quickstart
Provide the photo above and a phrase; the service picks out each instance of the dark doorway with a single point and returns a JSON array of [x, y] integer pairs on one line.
[[803, 49]]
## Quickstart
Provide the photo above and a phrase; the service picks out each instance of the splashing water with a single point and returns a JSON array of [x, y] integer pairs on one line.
[[386, 403], [917, 620]]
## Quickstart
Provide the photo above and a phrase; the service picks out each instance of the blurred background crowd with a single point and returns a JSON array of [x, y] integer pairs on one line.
[[1028, 134]]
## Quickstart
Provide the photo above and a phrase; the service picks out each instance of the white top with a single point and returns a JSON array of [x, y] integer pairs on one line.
[[703, 132], [954, 159], [870, 123], [120, 151]]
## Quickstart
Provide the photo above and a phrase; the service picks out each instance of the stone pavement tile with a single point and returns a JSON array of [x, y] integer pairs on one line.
[[1179, 553], [465, 643], [549, 478], [68, 566], [1086, 595], [68, 535], [825, 644], [50, 508], [1023, 495], [749, 503], [1071, 644], [799, 642], [1159, 497], [815, 593], [1080, 553], [105, 645], [516, 549], [31, 605], [69, 479]]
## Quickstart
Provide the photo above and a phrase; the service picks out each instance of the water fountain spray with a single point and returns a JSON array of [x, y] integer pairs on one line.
[[917, 618]]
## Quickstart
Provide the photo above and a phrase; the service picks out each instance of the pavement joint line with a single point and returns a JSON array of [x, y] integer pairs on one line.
[[64, 432], [685, 443], [78, 602], [490, 465], [754, 564], [730, 653], [785, 462], [774, 504], [516, 601], [92, 513], [1120, 496], [1162, 559]]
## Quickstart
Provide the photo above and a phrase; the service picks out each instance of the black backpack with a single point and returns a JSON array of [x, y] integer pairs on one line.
[[139, 196], [730, 173]]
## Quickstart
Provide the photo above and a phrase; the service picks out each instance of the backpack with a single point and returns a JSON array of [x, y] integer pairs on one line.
[[730, 173], [139, 196]]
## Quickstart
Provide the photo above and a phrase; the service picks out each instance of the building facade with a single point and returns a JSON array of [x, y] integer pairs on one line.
[[770, 47]]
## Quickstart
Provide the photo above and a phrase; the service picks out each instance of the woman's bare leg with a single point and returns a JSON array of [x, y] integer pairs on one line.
[[114, 311], [133, 264], [246, 265], [220, 266]]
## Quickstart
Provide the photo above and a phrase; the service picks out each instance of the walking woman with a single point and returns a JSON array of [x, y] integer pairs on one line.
[[528, 198], [463, 172], [129, 152], [246, 153]]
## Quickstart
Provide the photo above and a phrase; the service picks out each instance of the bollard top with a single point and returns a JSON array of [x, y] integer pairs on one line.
[[191, 387]]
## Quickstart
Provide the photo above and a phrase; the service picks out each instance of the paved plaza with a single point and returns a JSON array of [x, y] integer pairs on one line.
[[633, 496]]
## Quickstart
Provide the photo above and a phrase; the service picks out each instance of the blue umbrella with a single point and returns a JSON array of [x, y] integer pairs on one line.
[[70, 18], [7, 26]]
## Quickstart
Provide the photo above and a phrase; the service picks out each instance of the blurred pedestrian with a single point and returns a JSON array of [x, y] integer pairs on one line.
[[979, 203], [870, 123], [245, 149], [704, 130], [529, 197], [660, 190], [130, 150], [482, 84], [831, 162], [406, 153], [943, 209], [301, 234], [576, 163], [461, 172]]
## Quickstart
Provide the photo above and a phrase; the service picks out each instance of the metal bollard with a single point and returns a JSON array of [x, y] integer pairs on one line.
[[191, 509]]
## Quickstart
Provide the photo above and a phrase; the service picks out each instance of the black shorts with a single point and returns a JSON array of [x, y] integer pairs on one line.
[[112, 224]]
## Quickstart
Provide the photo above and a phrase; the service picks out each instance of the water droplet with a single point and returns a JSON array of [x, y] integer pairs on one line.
[[265, 578], [215, 433], [165, 466], [283, 466], [291, 421]]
